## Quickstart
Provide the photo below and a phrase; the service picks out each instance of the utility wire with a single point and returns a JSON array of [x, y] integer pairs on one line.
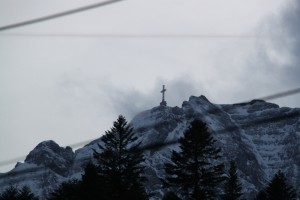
[[159, 145], [17, 159], [281, 94], [57, 15], [11, 161], [139, 36]]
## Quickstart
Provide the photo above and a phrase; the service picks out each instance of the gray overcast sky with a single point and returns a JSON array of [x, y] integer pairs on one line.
[[70, 89]]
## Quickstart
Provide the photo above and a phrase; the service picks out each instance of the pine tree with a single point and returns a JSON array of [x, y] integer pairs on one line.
[[233, 189], [195, 170], [278, 189], [91, 185], [69, 190], [261, 195], [11, 193], [170, 196], [119, 163], [26, 194]]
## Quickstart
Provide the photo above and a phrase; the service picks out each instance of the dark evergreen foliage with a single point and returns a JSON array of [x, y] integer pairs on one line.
[[91, 184], [13, 193], [88, 188], [118, 174], [26, 194], [278, 189], [170, 196], [119, 163], [69, 190], [195, 170], [232, 187], [261, 195]]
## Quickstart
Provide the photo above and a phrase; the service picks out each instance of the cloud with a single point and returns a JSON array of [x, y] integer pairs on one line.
[[133, 101], [283, 49], [291, 27], [87, 96], [274, 63]]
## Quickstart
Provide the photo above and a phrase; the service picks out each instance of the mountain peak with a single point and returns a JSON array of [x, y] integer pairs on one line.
[[260, 149], [200, 98], [48, 153]]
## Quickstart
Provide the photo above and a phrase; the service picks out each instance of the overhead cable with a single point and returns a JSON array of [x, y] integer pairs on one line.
[[281, 94], [57, 15], [138, 36]]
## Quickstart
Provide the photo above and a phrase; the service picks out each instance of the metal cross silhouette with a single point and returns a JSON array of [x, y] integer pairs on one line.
[[163, 93]]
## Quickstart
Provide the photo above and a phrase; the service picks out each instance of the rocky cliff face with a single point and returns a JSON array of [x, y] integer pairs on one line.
[[261, 137], [45, 166], [53, 156]]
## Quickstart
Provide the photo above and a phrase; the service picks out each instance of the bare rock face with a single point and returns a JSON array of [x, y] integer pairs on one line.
[[44, 168], [51, 155], [261, 137]]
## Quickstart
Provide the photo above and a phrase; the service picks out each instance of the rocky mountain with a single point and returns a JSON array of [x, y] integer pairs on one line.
[[261, 137]]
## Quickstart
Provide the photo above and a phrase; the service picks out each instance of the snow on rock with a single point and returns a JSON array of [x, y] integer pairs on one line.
[[50, 154], [44, 167], [261, 137]]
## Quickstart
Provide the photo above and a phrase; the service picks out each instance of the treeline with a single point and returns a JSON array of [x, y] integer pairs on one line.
[[12, 193], [195, 172]]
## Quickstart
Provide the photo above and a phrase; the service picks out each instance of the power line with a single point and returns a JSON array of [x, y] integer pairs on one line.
[[141, 36], [277, 95], [281, 94], [17, 159], [159, 145], [80, 144], [11, 161], [57, 15]]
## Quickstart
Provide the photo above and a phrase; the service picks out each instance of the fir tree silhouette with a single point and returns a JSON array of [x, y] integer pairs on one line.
[[170, 196], [91, 184], [11, 193], [69, 190], [26, 194], [233, 189], [195, 170], [119, 163], [278, 189]]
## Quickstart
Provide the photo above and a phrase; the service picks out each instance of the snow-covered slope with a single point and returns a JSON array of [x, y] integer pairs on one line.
[[260, 136]]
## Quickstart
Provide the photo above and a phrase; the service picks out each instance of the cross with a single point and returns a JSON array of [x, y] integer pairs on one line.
[[163, 93]]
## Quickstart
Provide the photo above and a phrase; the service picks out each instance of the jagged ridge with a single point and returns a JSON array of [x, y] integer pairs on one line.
[[260, 136]]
